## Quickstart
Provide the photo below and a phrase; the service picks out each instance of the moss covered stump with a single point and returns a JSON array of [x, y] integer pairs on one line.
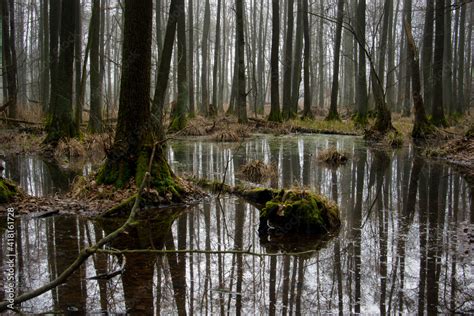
[[295, 212], [8, 190]]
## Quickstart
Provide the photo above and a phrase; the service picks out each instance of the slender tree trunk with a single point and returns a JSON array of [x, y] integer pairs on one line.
[[462, 44], [240, 43], [44, 94], [447, 64], [307, 113], [321, 58], [391, 59], [205, 57], [427, 52], [437, 103], [275, 114], [362, 99], [77, 63], [192, 109], [215, 81], [333, 114], [178, 118], [95, 114], [54, 27], [164, 71], [287, 62], [296, 80], [407, 8]]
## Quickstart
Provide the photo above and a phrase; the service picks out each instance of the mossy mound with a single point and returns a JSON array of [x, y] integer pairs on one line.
[[332, 157], [8, 190], [294, 211], [257, 170]]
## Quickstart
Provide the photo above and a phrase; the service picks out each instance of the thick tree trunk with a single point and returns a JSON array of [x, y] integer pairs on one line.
[[321, 59], [77, 64], [241, 93], [95, 114], [133, 145], [421, 127], [61, 123], [275, 114], [333, 114], [9, 50], [54, 27], [437, 103]]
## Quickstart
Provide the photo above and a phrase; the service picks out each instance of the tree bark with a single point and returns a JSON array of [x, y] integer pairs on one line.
[[437, 103], [462, 44], [333, 114], [9, 50], [421, 127], [178, 117], [427, 52], [215, 81], [95, 114], [192, 109], [307, 113], [205, 56], [362, 99], [240, 42], [61, 123], [287, 63], [275, 114], [296, 80]]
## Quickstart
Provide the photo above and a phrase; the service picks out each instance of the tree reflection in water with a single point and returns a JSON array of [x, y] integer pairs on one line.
[[401, 248]]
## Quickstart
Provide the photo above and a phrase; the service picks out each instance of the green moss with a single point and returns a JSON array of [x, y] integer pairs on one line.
[[275, 116], [8, 190], [300, 212], [394, 139]]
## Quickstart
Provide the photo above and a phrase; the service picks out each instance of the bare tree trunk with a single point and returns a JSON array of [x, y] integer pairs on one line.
[[192, 110], [462, 44], [333, 114], [307, 52], [407, 9], [321, 58], [421, 127], [77, 63], [437, 103], [215, 81], [205, 56], [9, 50], [296, 80], [362, 99], [240, 44], [427, 52], [447, 64], [275, 114], [287, 62], [95, 114], [178, 117]]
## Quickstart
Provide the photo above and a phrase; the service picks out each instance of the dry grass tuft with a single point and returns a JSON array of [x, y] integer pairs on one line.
[[227, 136], [257, 170], [333, 157], [70, 148]]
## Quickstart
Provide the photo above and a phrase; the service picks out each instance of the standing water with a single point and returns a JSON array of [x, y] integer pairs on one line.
[[403, 246]]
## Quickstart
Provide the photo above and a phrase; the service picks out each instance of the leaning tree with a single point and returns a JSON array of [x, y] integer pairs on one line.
[[135, 148]]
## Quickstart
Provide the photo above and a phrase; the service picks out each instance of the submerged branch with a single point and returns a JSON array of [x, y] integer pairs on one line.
[[82, 257]]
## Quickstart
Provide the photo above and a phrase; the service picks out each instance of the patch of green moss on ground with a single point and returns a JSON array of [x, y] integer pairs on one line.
[[333, 126], [8, 190]]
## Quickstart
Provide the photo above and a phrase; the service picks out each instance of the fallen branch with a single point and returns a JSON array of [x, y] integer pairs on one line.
[[8, 119], [82, 257]]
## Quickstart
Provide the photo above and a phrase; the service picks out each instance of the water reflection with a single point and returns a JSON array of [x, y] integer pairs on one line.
[[403, 247]]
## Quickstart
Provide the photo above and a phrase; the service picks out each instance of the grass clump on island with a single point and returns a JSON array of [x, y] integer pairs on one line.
[[333, 157], [257, 170]]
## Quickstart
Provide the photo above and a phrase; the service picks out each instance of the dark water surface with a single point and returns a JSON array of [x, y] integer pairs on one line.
[[403, 246]]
